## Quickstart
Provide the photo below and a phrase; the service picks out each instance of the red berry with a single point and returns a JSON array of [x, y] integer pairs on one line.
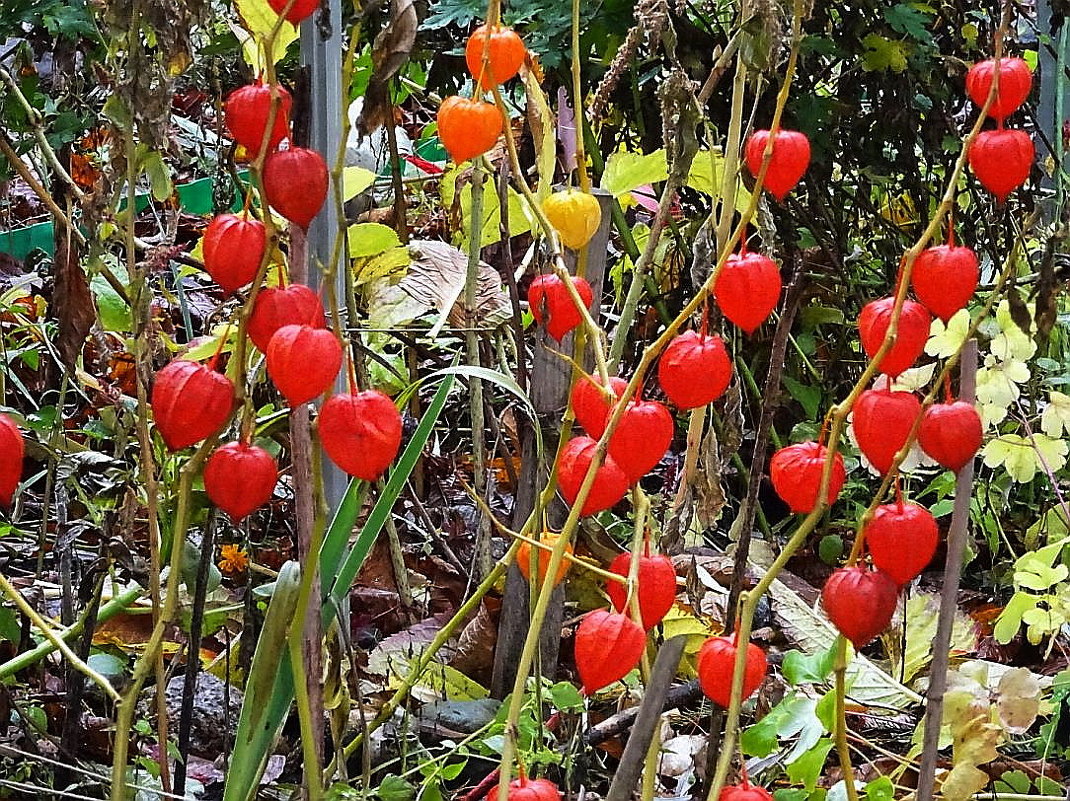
[[655, 586], [951, 433], [902, 539], [944, 279], [913, 333], [590, 405], [12, 452], [240, 478], [275, 307], [717, 662], [233, 249], [694, 370], [642, 438], [246, 113], [882, 423], [608, 646], [1015, 81], [610, 482], [796, 475], [295, 184], [190, 402], [860, 602], [791, 157], [300, 10], [748, 289], [552, 307], [303, 361], [361, 433]]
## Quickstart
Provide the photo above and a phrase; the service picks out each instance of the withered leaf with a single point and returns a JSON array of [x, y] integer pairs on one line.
[[391, 51]]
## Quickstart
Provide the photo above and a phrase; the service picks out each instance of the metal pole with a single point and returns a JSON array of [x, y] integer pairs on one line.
[[323, 59]]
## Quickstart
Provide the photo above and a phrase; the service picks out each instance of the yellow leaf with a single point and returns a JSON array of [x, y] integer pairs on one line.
[[946, 340], [258, 20], [1056, 416], [385, 266], [355, 180], [681, 621], [962, 782]]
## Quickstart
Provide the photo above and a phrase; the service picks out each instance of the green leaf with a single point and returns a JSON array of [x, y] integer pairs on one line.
[[159, 175], [883, 54], [806, 769], [707, 176], [800, 668], [387, 266], [880, 789], [113, 310], [371, 239], [626, 171], [9, 625], [808, 396], [1010, 619], [908, 20], [566, 697]]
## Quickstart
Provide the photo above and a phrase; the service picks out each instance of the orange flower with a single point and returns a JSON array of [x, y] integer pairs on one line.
[[233, 559]]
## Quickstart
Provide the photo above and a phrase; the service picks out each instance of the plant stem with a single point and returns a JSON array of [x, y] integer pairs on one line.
[[956, 547], [842, 749], [482, 564], [420, 664], [55, 639]]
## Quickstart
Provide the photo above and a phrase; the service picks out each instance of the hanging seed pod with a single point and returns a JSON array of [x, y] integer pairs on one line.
[[796, 470], [233, 249], [913, 333], [361, 433], [240, 478], [1015, 82], [523, 559], [552, 307], [12, 452], [902, 539], [505, 54], [882, 424], [944, 278], [276, 307], [642, 438], [525, 789], [791, 157], [190, 402], [468, 128], [655, 586], [303, 362], [299, 11], [575, 215], [610, 482], [607, 647], [951, 433], [1002, 160], [246, 114], [860, 602], [717, 662], [694, 370], [590, 405], [748, 289], [295, 184]]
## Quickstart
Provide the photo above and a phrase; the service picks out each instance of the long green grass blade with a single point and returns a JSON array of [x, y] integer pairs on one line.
[[347, 571], [268, 691]]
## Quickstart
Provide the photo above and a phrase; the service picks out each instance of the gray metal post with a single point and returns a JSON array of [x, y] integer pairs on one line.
[[323, 58], [1051, 84]]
